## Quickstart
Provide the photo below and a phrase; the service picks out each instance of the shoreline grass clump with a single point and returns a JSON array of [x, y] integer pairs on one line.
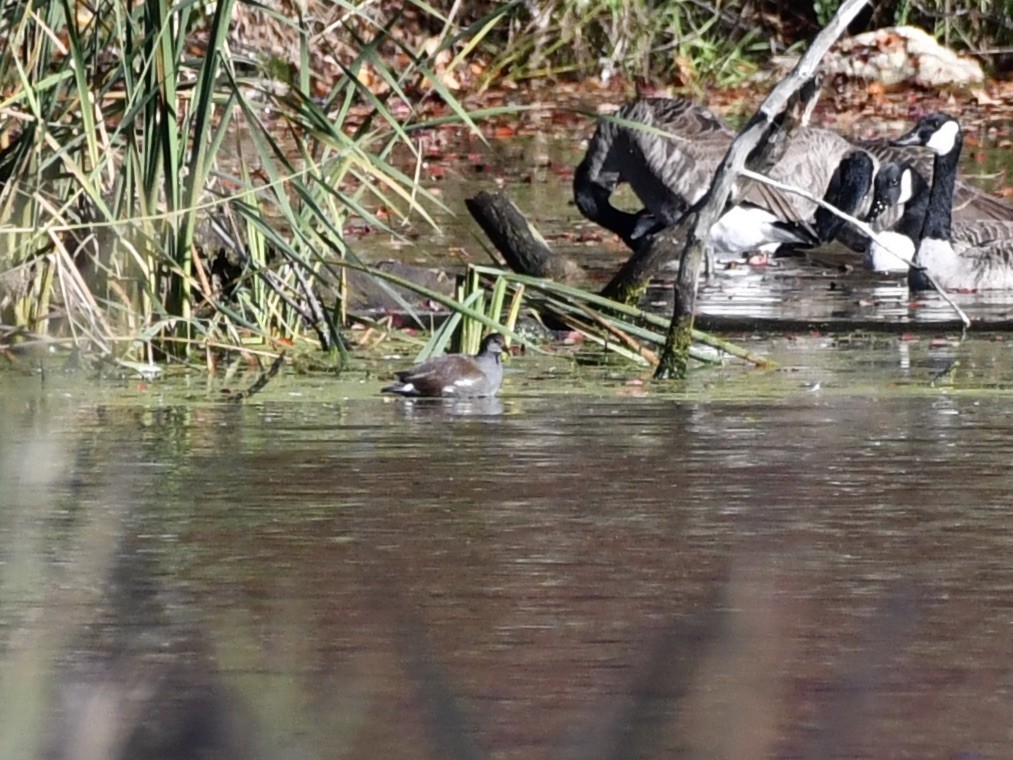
[[166, 196], [161, 198]]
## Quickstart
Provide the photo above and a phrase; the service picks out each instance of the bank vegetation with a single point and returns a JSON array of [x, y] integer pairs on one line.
[[176, 180]]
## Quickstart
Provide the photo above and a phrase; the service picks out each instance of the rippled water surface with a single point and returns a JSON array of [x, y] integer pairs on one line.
[[807, 562]]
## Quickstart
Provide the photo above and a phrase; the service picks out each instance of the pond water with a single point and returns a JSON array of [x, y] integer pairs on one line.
[[807, 562]]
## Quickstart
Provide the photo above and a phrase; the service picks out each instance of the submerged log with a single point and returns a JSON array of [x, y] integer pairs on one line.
[[632, 279], [523, 247], [526, 252], [520, 244]]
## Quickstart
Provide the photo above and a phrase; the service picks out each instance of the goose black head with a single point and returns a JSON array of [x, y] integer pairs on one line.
[[848, 186], [895, 184], [938, 132]]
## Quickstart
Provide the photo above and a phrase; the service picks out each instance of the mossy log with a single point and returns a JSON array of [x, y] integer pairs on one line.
[[630, 282]]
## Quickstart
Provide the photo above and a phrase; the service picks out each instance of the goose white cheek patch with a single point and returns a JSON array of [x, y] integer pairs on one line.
[[906, 187], [944, 138]]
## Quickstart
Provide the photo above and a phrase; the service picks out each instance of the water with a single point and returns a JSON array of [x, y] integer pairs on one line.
[[806, 562], [812, 561]]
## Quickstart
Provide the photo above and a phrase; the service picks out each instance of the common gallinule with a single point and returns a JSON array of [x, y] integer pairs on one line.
[[455, 375]]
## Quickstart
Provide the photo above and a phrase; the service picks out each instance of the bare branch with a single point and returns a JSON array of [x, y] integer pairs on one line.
[[763, 125]]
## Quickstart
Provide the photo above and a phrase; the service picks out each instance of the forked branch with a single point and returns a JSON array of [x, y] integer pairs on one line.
[[765, 124]]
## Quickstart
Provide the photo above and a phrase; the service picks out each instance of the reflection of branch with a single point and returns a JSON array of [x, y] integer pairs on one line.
[[448, 722], [862, 227], [632, 722], [837, 731], [261, 381]]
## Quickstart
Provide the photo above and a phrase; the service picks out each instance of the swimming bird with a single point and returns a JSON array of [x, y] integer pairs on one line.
[[668, 149], [455, 375], [902, 184], [954, 264]]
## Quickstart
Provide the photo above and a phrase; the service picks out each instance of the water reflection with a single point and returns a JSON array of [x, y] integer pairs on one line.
[[797, 575], [140, 679], [436, 409]]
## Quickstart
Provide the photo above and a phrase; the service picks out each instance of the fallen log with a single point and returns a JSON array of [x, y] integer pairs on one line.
[[521, 245]]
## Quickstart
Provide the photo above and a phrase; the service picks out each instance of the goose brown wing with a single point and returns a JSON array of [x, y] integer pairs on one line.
[[656, 130], [808, 163], [990, 266], [679, 116], [670, 174], [970, 203], [669, 160], [601, 161], [982, 232], [775, 201]]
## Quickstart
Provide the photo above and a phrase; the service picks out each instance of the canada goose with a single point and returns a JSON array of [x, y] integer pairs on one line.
[[669, 164], [455, 375], [669, 172], [954, 265], [747, 227], [849, 186], [606, 165], [902, 183]]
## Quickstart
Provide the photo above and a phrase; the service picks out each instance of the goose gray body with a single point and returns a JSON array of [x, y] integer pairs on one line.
[[455, 375], [669, 164], [614, 156], [667, 150], [954, 264]]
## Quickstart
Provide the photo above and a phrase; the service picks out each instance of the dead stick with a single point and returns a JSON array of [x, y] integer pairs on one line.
[[764, 124], [261, 381]]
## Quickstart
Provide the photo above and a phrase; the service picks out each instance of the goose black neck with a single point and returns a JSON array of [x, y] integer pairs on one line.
[[849, 184], [938, 215], [592, 200], [911, 223]]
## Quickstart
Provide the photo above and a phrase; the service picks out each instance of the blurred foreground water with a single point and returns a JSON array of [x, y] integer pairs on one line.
[[812, 562]]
